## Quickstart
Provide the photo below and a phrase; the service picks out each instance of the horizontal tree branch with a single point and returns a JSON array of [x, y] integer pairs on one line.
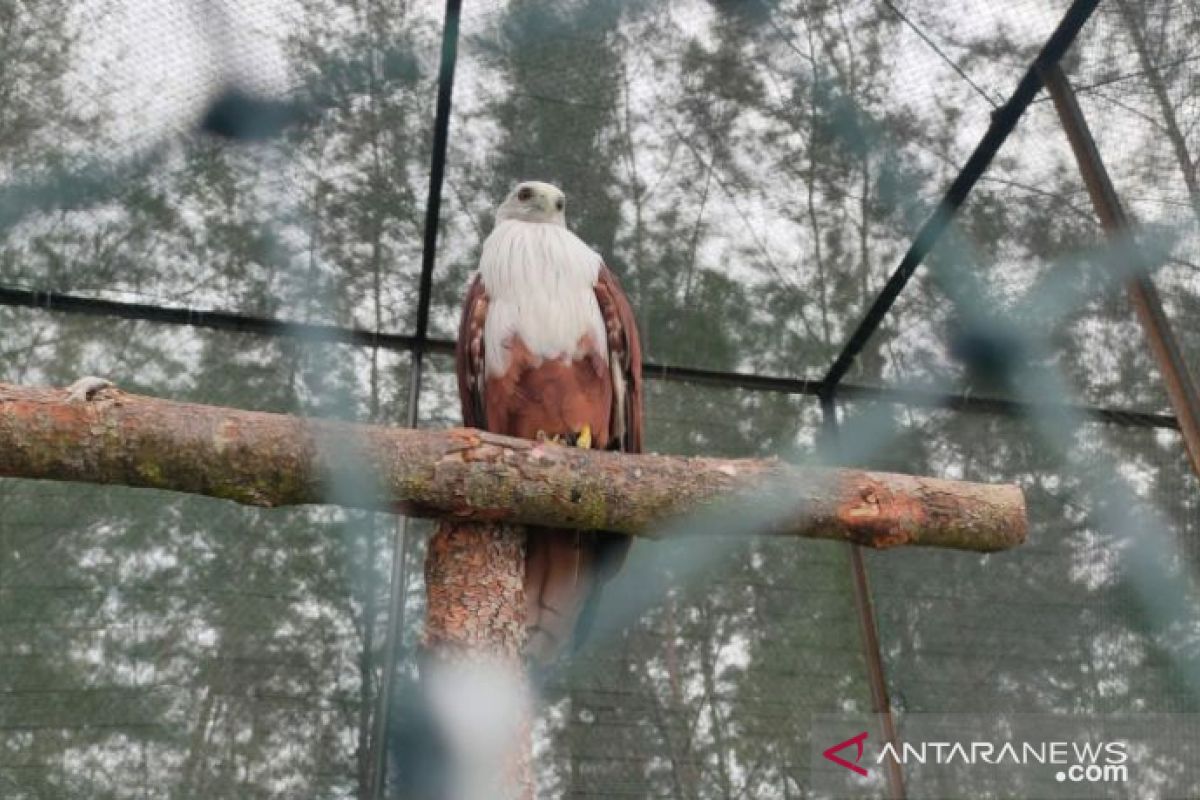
[[272, 460]]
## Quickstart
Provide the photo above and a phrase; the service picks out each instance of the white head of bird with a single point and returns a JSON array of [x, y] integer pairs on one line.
[[540, 279], [534, 201]]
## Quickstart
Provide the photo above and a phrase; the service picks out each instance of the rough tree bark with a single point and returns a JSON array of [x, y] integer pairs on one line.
[[467, 475], [473, 666]]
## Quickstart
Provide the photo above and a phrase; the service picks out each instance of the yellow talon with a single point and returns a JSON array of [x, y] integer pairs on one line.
[[584, 439]]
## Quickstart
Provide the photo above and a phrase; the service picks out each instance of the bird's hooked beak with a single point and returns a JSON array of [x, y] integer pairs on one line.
[[544, 202]]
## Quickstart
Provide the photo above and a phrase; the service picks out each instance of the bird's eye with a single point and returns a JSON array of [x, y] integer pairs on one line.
[[560, 204], [525, 193]]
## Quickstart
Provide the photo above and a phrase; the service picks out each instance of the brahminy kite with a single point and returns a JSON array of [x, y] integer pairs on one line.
[[548, 349]]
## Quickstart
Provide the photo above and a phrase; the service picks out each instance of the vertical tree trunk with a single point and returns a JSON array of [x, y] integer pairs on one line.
[[683, 760], [367, 655], [190, 785], [712, 700], [474, 669], [1170, 120]]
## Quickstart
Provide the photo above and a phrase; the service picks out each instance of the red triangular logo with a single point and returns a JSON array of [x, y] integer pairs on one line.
[[856, 740]]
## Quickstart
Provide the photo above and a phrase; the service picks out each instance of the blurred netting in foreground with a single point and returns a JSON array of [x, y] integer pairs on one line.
[[154, 645]]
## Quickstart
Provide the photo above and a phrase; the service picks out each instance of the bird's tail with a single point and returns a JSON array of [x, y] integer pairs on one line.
[[564, 572], [559, 578]]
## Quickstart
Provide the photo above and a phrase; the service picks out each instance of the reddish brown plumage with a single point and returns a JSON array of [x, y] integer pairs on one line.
[[534, 396], [554, 397]]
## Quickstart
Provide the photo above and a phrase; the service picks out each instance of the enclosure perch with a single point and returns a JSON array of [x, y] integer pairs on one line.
[[266, 459]]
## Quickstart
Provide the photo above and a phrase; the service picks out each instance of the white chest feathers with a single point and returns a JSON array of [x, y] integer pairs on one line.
[[540, 281]]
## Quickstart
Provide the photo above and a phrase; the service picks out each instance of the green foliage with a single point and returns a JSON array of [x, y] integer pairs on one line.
[[752, 171]]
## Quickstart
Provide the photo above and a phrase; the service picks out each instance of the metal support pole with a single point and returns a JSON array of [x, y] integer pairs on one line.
[[398, 593], [868, 630], [433, 208], [1180, 385]]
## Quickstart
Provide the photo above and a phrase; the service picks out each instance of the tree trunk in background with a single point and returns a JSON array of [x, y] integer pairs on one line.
[[473, 667], [1170, 120]]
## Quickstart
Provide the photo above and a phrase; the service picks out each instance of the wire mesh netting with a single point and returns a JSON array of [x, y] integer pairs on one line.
[[754, 172], [1055, 628], [1138, 74], [1052, 627]]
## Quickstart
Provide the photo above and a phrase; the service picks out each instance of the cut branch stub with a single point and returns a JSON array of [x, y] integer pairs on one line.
[[267, 459]]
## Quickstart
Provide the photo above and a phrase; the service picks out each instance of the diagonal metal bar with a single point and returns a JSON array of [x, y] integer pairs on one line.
[[433, 209], [1004, 120], [1180, 384]]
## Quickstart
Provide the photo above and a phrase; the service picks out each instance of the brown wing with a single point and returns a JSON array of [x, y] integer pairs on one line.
[[468, 355], [625, 352]]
